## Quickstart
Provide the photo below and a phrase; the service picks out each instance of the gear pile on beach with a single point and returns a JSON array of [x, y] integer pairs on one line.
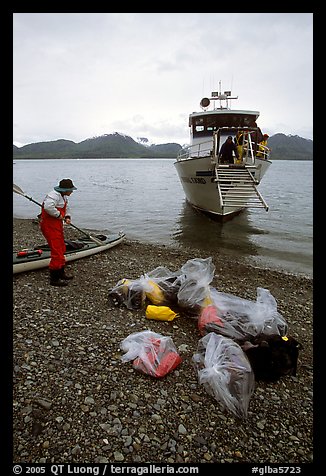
[[242, 341]]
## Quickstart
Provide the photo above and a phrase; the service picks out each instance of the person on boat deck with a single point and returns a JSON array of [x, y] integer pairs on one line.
[[226, 152], [55, 211], [263, 146], [239, 143]]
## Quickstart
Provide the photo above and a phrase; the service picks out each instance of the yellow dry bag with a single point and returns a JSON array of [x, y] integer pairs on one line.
[[155, 294], [160, 313]]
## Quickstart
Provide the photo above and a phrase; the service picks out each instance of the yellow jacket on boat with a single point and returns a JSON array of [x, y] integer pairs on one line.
[[262, 148], [239, 143]]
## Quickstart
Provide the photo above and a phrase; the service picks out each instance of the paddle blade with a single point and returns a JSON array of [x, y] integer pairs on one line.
[[18, 190]]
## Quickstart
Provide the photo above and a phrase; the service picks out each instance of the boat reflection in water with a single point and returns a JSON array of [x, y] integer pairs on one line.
[[198, 231]]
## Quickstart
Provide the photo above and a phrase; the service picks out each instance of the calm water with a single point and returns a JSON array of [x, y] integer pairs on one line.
[[144, 198]]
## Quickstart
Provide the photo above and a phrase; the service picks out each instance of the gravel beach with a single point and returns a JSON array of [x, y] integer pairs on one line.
[[75, 401]]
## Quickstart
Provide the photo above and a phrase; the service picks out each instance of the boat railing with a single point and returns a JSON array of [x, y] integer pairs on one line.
[[252, 149], [245, 150], [248, 154], [263, 152], [249, 149], [201, 149]]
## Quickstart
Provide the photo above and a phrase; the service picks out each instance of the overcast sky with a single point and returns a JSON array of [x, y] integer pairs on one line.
[[81, 75]]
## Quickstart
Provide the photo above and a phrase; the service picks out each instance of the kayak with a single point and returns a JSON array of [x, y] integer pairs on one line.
[[39, 257]]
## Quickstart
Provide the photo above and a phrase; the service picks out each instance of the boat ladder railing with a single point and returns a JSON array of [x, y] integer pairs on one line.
[[237, 187]]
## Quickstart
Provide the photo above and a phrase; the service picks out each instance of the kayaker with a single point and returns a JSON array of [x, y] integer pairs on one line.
[[55, 211]]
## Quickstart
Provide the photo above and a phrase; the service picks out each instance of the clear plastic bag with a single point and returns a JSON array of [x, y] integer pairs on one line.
[[128, 292], [151, 353], [209, 320], [225, 372], [242, 319], [196, 276], [161, 285], [187, 288]]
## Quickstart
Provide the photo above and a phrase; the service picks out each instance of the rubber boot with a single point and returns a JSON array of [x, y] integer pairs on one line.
[[63, 274], [55, 279]]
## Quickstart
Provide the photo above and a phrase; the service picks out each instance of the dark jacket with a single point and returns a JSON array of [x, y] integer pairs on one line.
[[226, 152]]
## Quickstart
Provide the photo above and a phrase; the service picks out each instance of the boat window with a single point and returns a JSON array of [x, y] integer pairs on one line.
[[206, 125], [211, 125]]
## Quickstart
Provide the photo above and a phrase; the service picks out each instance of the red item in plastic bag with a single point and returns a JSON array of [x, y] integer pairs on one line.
[[208, 316], [159, 359]]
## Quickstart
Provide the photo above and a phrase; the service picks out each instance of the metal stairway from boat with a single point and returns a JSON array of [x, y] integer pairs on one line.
[[237, 187]]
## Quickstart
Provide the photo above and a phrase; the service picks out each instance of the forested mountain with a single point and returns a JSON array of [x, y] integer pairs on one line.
[[290, 147], [118, 145], [106, 146]]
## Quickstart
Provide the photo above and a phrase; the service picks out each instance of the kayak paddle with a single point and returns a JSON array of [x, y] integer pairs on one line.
[[18, 190]]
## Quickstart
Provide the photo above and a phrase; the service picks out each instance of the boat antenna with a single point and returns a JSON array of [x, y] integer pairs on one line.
[[226, 96]]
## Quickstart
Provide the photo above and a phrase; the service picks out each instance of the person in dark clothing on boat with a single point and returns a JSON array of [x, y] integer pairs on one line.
[[226, 152], [55, 211]]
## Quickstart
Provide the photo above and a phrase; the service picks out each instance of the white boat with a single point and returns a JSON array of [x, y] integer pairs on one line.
[[218, 189]]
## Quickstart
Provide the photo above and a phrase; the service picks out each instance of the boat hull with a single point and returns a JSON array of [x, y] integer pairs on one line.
[[88, 248], [198, 180]]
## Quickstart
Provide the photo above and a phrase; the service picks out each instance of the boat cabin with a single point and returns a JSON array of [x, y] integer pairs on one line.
[[204, 124]]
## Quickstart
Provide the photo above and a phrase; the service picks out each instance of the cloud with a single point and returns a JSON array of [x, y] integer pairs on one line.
[[77, 75]]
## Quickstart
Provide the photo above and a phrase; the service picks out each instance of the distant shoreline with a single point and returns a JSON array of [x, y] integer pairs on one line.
[[283, 147], [89, 158], [118, 158]]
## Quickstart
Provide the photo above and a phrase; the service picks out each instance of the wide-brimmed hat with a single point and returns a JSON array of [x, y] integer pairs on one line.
[[65, 185]]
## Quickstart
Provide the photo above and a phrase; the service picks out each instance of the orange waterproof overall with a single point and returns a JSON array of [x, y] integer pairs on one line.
[[52, 229]]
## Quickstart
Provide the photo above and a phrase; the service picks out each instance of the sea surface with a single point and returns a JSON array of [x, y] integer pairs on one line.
[[144, 198]]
